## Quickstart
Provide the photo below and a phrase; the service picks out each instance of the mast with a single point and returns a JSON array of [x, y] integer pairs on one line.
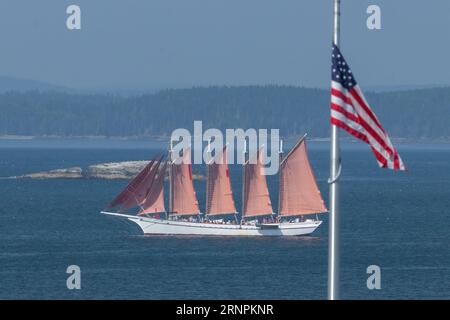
[[170, 178], [335, 169], [208, 152], [244, 152], [280, 155]]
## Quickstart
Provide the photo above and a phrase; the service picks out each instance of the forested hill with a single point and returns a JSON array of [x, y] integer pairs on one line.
[[415, 114]]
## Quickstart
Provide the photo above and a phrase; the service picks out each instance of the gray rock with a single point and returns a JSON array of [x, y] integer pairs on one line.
[[111, 170], [116, 170], [69, 173]]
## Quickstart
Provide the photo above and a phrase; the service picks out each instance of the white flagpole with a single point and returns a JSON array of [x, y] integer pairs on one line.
[[335, 168]]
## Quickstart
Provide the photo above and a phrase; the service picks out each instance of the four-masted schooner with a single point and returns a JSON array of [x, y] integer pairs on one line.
[[299, 196]]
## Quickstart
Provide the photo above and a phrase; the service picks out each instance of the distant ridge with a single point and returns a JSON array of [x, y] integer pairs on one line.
[[13, 84], [403, 88], [414, 115], [23, 85]]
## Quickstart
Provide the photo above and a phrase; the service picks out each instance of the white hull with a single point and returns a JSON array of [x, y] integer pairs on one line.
[[150, 226]]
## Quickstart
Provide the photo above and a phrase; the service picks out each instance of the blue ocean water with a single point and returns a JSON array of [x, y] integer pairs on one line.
[[398, 221]]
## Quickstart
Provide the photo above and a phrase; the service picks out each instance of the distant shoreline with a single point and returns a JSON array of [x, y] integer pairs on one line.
[[164, 138]]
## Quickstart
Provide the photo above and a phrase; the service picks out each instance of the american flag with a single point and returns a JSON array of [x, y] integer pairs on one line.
[[351, 112]]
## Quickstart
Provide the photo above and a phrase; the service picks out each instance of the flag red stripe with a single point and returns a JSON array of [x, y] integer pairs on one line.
[[363, 105], [396, 161], [342, 96], [341, 93], [346, 125], [375, 135], [347, 114], [370, 130], [365, 125], [353, 132], [381, 159]]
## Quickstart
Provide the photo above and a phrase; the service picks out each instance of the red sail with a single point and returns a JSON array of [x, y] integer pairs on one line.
[[154, 200], [256, 198], [184, 200], [299, 193], [128, 192], [220, 195], [137, 196]]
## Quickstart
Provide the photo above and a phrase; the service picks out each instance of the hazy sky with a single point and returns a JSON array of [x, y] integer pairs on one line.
[[167, 43]]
